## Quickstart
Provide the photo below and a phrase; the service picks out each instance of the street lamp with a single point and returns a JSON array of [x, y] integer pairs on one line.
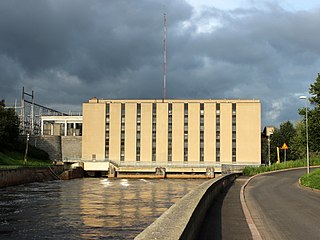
[[308, 165]]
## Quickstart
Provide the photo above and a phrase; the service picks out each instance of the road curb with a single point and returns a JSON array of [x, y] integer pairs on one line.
[[252, 226]]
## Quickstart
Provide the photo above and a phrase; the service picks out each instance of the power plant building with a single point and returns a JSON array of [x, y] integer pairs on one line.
[[180, 136]]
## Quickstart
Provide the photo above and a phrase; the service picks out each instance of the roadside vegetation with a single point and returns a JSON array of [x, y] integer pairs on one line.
[[294, 134], [12, 150], [250, 171], [311, 180]]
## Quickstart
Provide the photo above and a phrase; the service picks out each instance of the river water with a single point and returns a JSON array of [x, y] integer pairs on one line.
[[89, 208]]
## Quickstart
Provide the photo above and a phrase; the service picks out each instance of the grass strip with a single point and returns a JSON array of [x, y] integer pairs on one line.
[[14, 160], [250, 171], [311, 180]]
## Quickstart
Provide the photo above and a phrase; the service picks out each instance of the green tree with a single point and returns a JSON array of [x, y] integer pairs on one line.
[[284, 134], [298, 143], [314, 90], [313, 116], [9, 126]]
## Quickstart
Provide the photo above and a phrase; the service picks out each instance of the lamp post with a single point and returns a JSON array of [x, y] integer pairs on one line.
[[308, 165]]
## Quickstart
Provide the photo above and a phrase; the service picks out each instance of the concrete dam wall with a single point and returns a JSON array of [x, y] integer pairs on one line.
[[58, 147]]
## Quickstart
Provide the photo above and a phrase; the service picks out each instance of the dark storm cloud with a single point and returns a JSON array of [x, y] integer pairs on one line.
[[70, 51]]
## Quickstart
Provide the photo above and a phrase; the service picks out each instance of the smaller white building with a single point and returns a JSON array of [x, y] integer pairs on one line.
[[61, 125]]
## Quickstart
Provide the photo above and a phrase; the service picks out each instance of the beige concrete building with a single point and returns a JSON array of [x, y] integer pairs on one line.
[[179, 136]]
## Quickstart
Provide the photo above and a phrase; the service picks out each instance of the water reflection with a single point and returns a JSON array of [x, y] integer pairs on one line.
[[87, 208]]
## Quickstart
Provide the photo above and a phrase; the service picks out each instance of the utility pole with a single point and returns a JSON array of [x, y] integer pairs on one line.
[[32, 113], [22, 111], [164, 57], [26, 152]]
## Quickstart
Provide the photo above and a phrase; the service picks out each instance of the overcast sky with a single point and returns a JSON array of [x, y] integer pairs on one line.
[[68, 51]]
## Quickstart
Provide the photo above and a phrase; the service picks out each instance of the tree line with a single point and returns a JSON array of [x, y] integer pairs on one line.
[[9, 126], [9, 134], [294, 134]]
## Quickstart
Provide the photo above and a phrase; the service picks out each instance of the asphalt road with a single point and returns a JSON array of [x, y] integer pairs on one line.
[[281, 209]]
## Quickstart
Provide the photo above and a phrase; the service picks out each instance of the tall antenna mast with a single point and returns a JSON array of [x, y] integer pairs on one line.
[[164, 57]]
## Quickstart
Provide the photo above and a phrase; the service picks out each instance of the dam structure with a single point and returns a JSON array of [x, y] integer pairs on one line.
[[170, 137]]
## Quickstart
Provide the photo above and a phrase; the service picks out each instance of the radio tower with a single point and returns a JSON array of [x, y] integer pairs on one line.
[[164, 57]]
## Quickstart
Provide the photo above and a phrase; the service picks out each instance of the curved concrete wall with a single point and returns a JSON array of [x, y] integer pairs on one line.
[[183, 220]]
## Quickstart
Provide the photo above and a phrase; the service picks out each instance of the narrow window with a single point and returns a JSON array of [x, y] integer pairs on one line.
[[185, 152]]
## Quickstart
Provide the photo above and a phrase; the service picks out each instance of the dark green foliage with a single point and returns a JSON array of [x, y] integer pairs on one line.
[[313, 117], [298, 144], [264, 151], [9, 126], [9, 132], [315, 91], [284, 134]]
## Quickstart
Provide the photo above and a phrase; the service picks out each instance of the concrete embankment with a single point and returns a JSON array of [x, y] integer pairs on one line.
[[72, 174], [19, 176], [183, 220]]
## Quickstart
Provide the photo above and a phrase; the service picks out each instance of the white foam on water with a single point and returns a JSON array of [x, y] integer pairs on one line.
[[106, 182], [143, 180], [124, 182]]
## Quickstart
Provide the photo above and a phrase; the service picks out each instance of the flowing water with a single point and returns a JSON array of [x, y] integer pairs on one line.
[[88, 208]]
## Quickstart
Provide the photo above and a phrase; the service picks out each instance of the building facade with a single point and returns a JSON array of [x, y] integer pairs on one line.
[[61, 125], [172, 133]]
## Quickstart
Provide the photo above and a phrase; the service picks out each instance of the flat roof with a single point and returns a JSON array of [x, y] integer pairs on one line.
[[95, 100]]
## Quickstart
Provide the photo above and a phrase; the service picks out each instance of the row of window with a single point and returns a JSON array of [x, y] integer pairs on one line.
[[234, 132], [154, 132], [170, 132], [201, 132], [123, 127], [138, 135], [218, 132]]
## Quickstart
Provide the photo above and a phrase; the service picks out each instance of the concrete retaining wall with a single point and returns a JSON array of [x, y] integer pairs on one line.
[[58, 147], [50, 144], [71, 147], [183, 220], [27, 175]]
